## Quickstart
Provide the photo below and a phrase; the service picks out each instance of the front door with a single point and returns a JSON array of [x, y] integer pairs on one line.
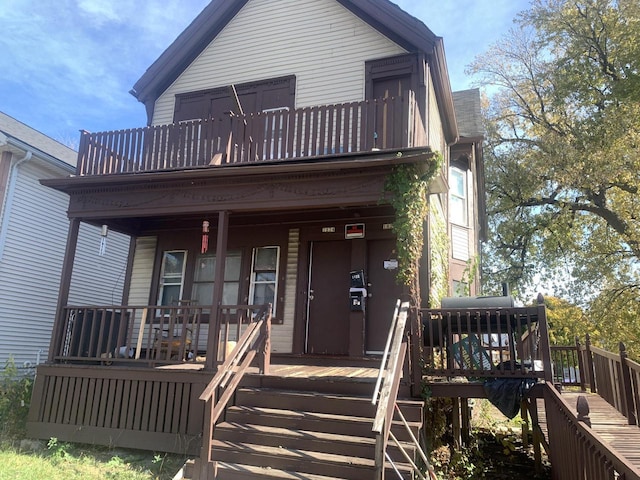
[[328, 306], [383, 292]]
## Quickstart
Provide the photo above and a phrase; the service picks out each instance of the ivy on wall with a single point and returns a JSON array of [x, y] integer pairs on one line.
[[408, 185], [439, 252]]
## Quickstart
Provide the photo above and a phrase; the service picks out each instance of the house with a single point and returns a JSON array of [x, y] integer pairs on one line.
[[262, 191], [467, 222], [33, 234]]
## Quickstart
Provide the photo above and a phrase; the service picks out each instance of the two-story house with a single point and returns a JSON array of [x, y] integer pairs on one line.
[[33, 234], [260, 179]]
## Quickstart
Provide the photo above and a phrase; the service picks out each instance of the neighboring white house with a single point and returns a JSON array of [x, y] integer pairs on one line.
[[33, 235]]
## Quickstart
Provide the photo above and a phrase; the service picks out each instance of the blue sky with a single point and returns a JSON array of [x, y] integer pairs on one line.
[[67, 65]]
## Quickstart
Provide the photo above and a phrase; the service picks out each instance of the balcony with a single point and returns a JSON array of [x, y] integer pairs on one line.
[[273, 136]]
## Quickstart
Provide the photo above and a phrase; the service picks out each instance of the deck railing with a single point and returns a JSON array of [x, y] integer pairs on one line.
[[616, 379], [285, 134], [485, 342], [149, 334], [579, 453], [613, 376]]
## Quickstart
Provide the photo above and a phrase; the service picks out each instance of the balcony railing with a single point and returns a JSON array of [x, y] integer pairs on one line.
[[267, 136]]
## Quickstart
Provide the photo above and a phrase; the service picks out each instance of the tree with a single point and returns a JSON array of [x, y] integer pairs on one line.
[[562, 162], [567, 321]]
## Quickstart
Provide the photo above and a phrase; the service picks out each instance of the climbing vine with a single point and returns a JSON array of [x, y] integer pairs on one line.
[[439, 251], [408, 186]]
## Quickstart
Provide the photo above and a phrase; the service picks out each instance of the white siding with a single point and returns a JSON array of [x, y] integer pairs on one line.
[[31, 264], [460, 243], [141, 272], [282, 335], [141, 275], [319, 41], [98, 280]]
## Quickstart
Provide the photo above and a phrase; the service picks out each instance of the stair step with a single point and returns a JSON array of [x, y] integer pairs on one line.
[[313, 421], [309, 401], [323, 442], [233, 471], [294, 460]]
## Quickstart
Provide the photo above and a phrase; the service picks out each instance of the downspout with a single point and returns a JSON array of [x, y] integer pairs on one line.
[[6, 209]]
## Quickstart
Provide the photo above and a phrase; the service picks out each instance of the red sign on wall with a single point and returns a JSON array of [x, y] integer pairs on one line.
[[354, 230]]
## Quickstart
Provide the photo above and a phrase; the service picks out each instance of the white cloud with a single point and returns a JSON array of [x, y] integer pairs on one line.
[[68, 65]]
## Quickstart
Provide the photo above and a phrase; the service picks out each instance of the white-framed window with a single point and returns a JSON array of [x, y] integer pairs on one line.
[[458, 202], [204, 278], [172, 277], [264, 276]]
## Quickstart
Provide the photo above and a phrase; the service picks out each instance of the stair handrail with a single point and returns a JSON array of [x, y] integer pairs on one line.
[[385, 354], [391, 367], [255, 339]]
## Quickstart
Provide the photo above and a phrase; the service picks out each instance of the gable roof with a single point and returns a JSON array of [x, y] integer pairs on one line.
[[23, 137], [383, 15]]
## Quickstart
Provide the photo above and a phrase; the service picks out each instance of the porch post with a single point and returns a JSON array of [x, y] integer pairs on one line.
[[65, 282], [214, 322]]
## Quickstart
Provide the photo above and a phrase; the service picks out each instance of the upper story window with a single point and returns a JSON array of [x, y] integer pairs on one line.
[[458, 201]]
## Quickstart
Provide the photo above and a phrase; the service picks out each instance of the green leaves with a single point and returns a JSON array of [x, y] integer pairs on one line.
[[408, 186], [563, 131]]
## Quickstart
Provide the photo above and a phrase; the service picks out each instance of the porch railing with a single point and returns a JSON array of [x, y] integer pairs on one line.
[[267, 136], [583, 453], [254, 341], [485, 342], [149, 334]]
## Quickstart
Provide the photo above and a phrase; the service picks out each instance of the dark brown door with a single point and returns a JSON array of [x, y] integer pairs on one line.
[[383, 292], [388, 131], [328, 301], [391, 87]]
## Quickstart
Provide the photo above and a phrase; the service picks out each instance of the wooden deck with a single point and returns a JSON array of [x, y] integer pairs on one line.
[[611, 426]]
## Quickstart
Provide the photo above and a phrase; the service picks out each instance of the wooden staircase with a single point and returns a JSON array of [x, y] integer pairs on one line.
[[278, 433]]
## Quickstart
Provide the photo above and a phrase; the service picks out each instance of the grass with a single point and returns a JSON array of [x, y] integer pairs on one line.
[[81, 462], [28, 459]]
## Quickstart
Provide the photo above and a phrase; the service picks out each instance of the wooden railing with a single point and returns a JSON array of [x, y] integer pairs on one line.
[[265, 136], [579, 453], [386, 392], [613, 376], [254, 341], [148, 334], [567, 366], [616, 379], [487, 342]]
